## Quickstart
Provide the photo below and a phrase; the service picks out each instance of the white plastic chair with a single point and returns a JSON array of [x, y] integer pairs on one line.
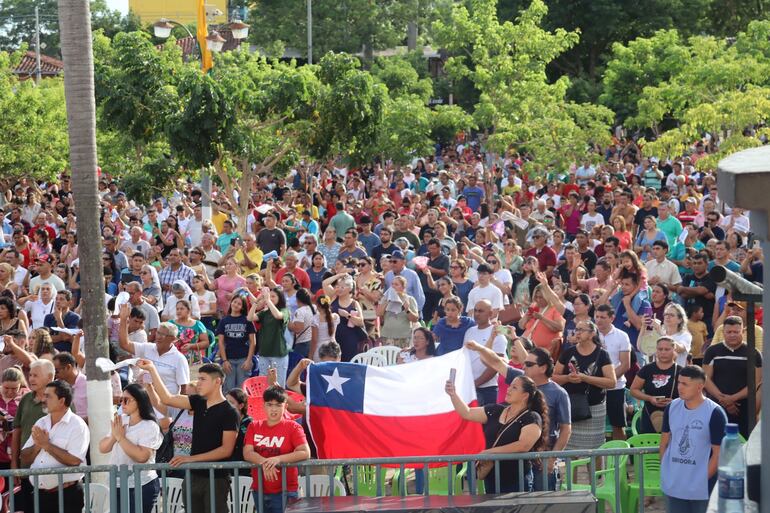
[[319, 486], [243, 487], [369, 358], [98, 498], [388, 353], [171, 495]]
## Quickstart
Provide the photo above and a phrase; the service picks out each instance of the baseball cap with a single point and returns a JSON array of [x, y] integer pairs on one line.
[[43, 258], [397, 255]]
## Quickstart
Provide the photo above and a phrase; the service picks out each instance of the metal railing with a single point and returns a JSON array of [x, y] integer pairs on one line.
[[115, 477]]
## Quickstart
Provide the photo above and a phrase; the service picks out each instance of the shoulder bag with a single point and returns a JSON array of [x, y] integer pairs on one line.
[[483, 468], [165, 452]]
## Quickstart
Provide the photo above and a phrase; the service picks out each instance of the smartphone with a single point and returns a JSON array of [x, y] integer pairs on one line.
[[661, 397], [452, 375]]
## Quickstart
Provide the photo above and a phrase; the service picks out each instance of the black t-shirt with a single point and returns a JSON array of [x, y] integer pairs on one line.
[[270, 240], [379, 251], [509, 470], [209, 424], [642, 213], [690, 280], [729, 367], [659, 383], [591, 365]]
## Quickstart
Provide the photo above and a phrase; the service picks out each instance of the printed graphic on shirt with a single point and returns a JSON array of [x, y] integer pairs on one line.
[[660, 380]]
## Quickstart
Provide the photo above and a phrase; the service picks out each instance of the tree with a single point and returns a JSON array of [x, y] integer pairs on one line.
[[350, 26], [722, 89], [643, 62], [74, 19], [33, 125], [518, 105], [19, 23]]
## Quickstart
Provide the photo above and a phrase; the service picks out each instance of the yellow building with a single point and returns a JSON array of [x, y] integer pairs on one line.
[[183, 11]]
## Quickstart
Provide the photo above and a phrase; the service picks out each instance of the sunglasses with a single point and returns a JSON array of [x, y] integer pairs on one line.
[[361, 265], [492, 262], [125, 400], [530, 364]]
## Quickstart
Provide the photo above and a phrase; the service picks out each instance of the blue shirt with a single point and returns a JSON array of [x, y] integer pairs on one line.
[[369, 241], [473, 197], [684, 466], [70, 321], [638, 303], [451, 339]]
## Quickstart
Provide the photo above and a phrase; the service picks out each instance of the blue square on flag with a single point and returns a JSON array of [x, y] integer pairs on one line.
[[337, 385]]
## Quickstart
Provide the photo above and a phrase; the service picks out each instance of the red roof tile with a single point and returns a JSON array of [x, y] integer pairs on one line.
[[49, 67]]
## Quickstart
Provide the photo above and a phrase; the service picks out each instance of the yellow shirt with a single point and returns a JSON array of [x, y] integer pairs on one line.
[[719, 336], [313, 212], [255, 255], [218, 220], [699, 333]]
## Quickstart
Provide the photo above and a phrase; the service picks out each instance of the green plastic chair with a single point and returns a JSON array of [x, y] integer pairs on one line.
[[367, 480], [605, 491], [585, 462], [438, 481], [460, 476], [636, 422], [650, 470]]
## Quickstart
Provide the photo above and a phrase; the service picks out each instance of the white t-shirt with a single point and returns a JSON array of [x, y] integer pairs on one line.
[[684, 338], [205, 300], [53, 280], [616, 342], [19, 275], [170, 309], [480, 336], [588, 221], [490, 292], [172, 365], [37, 310], [145, 433], [304, 315]]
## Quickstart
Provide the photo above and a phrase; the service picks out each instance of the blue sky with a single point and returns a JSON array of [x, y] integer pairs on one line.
[[120, 5]]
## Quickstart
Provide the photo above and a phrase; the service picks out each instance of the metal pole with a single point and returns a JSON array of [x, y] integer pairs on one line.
[[765, 434], [310, 31], [751, 381], [37, 46], [206, 193]]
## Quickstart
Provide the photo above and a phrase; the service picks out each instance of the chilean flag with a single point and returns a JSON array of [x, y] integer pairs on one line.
[[359, 411]]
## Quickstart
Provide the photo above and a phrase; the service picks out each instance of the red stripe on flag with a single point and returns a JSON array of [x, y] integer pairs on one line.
[[344, 434]]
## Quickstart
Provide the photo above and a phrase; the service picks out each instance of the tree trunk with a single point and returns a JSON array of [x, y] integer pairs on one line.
[[76, 47]]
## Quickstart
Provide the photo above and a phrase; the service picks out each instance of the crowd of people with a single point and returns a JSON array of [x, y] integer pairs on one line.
[[583, 294]]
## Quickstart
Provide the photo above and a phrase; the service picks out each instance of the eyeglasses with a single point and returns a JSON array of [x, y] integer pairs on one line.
[[530, 364], [362, 264], [125, 400], [455, 267], [670, 314], [584, 329]]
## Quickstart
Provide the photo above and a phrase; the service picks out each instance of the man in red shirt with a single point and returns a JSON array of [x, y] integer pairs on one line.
[[290, 266], [270, 442], [546, 258]]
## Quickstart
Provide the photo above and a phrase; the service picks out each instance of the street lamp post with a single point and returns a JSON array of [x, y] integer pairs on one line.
[[215, 42]]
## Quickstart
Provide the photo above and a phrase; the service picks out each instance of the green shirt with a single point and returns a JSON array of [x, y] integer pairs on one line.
[[671, 227], [272, 340]]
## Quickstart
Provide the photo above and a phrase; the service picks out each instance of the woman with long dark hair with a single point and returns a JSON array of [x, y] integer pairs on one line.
[[423, 347], [585, 371], [273, 316], [240, 402], [324, 326], [655, 384], [134, 437], [518, 425], [302, 322], [237, 343]]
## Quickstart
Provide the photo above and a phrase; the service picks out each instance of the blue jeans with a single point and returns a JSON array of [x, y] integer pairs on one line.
[[272, 502], [279, 362], [237, 375], [538, 484], [486, 395], [674, 505], [150, 493]]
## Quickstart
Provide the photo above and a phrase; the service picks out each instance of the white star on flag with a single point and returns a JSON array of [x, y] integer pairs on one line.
[[335, 381]]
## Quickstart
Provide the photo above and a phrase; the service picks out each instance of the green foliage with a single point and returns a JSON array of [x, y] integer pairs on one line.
[[507, 64], [448, 121], [719, 88], [136, 85], [401, 78], [33, 124], [18, 23]]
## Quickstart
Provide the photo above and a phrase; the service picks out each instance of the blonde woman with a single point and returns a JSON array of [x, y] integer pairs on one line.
[[6, 279], [399, 314]]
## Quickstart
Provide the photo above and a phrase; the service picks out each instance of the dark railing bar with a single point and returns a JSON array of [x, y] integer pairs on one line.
[[617, 482], [592, 474], [211, 491], [378, 479]]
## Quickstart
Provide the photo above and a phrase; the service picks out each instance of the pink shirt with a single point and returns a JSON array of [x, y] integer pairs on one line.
[[80, 395], [225, 286]]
